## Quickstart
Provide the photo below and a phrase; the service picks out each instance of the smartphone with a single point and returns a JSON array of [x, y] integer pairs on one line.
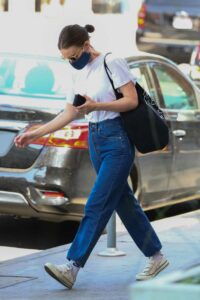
[[78, 100]]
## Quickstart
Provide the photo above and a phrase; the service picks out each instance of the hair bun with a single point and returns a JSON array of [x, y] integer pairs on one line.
[[89, 28]]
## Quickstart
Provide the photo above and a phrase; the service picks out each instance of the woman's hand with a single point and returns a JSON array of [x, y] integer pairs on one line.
[[24, 139], [87, 107]]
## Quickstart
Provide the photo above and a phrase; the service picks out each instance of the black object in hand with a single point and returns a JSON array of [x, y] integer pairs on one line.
[[78, 100]]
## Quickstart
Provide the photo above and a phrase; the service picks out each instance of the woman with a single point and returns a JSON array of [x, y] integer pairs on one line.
[[110, 152]]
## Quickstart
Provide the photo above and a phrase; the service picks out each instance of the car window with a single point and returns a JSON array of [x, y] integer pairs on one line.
[[111, 6], [176, 92], [139, 73], [33, 77]]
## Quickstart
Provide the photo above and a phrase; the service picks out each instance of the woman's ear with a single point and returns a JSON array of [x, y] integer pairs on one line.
[[86, 45]]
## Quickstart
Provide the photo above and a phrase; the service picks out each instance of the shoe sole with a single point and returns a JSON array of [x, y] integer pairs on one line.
[[163, 266], [66, 283]]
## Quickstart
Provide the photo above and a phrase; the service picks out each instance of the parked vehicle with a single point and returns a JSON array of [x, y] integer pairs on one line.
[[193, 68], [51, 178], [195, 65], [195, 57], [169, 28]]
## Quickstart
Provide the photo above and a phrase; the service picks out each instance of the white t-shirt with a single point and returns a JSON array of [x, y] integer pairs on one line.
[[93, 81]]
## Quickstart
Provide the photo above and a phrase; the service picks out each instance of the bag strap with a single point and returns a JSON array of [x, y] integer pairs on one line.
[[142, 94], [117, 94]]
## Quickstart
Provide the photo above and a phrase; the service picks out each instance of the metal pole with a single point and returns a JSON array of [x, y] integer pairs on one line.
[[111, 239]]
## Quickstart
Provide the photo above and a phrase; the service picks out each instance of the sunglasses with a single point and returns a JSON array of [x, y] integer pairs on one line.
[[73, 58]]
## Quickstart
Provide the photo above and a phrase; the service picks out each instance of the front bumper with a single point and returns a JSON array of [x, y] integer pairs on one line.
[[179, 50]]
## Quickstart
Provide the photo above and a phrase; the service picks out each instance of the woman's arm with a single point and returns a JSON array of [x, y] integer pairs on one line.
[[69, 114], [127, 102], [64, 118]]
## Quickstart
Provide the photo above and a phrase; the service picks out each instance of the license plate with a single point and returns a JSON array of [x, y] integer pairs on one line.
[[182, 23], [6, 141]]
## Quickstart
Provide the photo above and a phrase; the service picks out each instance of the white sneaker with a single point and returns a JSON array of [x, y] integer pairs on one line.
[[65, 274], [152, 268]]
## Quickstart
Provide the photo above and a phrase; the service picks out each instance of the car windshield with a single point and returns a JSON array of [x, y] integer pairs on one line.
[[32, 77]]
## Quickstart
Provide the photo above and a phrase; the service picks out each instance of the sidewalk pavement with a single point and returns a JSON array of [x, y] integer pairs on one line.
[[102, 277]]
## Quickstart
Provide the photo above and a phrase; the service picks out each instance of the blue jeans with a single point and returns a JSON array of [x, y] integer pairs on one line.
[[112, 157]]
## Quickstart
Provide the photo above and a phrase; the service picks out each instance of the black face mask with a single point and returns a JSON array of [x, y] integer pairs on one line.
[[82, 61]]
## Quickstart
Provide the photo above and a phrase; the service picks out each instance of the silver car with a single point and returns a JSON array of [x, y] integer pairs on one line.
[[51, 178]]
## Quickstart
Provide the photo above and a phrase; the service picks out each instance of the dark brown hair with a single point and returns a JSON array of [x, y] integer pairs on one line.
[[74, 35]]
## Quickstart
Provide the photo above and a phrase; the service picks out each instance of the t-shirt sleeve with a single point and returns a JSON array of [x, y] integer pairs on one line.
[[120, 72]]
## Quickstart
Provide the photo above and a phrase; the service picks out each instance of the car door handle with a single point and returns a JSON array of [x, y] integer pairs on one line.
[[179, 133]]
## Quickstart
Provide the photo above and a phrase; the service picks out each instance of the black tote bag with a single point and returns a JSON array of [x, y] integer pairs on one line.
[[145, 125]]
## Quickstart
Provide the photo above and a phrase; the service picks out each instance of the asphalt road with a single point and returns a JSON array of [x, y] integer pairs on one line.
[[34, 234], [19, 237]]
